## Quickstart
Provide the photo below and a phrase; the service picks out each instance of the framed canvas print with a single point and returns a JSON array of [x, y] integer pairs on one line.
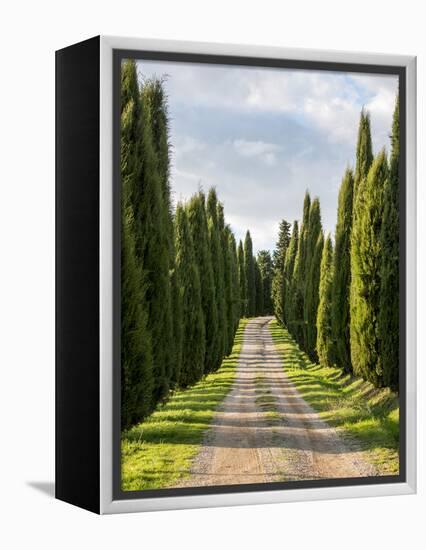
[[235, 274]]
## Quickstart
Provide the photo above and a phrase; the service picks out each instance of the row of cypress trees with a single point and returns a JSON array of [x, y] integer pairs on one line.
[[184, 283], [209, 296], [341, 302], [296, 276], [255, 276], [178, 311], [265, 266], [374, 287]]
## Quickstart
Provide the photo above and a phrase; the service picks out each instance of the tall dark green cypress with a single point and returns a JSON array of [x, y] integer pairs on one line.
[[242, 278], [299, 276], [233, 293], [250, 275], [130, 156], [388, 318], [177, 300], [364, 159], [216, 249], [227, 282], [312, 299], [366, 264], [340, 308], [200, 237], [147, 201], [136, 352], [278, 278], [153, 252], [364, 150], [264, 261], [314, 245], [193, 348], [324, 345], [155, 106], [132, 146], [155, 97], [259, 307], [290, 259]]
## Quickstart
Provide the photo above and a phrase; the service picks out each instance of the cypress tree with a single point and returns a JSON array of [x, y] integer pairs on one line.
[[364, 150], [324, 332], [216, 250], [177, 302], [312, 299], [282, 244], [155, 98], [299, 277], [388, 318], [259, 288], [136, 355], [278, 279], [235, 282], [290, 259], [193, 348], [132, 134], [340, 309], [264, 261], [242, 278], [314, 245], [155, 106], [146, 199], [136, 352], [200, 237], [249, 275], [366, 262], [228, 333], [130, 156], [364, 159]]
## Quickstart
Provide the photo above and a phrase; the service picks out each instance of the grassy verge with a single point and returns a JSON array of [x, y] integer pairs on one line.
[[368, 415], [158, 452]]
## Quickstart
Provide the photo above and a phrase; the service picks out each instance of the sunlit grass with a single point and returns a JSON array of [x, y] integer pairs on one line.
[[366, 414], [158, 452]]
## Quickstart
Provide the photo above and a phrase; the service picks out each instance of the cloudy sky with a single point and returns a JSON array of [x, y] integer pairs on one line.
[[263, 136]]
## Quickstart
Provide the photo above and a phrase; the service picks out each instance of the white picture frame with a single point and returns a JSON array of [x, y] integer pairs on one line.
[[103, 498], [108, 504]]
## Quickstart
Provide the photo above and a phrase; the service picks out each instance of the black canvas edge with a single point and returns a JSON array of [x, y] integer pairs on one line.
[[77, 401], [400, 71]]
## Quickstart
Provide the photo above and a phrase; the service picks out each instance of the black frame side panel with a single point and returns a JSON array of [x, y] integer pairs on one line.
[[77, 274]]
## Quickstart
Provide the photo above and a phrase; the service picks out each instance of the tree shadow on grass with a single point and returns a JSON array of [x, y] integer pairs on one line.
[[345, 400]]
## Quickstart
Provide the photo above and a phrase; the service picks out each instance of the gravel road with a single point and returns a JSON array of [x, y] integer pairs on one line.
[[265, 431]]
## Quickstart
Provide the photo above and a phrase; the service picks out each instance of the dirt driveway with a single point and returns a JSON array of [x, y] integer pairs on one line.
[[265, 431]]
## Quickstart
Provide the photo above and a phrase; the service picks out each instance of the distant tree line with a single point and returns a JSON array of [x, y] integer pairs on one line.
[[255, 275], [341, 302], [184, 282]]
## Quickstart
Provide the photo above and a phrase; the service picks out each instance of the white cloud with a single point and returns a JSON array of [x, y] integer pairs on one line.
[[336, 117], [270, 159], [187, 144], [331, 101], [262, 137], [260, 149]]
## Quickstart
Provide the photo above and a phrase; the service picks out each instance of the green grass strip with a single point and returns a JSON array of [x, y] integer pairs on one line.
[[367, 414], [158, 452]]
